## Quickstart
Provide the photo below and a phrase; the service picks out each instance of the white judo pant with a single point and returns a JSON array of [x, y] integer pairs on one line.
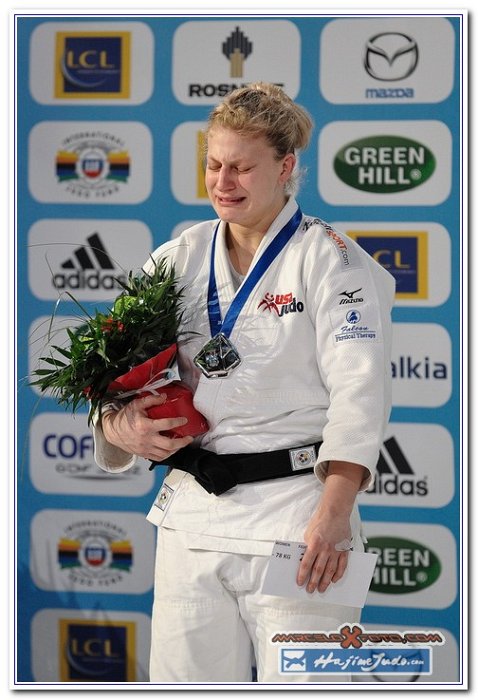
[[210, 619]]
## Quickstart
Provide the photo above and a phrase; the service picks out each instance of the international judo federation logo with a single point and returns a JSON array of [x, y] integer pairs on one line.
[[281, 304], [95, 553], [302, 457], [93, 164]]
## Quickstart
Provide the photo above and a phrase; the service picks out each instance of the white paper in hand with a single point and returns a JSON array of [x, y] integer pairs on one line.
[[352, 589]]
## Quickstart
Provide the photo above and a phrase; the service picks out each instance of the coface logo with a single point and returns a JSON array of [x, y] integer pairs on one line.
[[390, 56], [384, 164], [62, 460], [403, 566], [92, 64], [97, 651]]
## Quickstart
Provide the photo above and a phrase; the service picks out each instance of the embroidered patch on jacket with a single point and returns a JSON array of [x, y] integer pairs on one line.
[[355, 324], [302, 457], [164, 496]]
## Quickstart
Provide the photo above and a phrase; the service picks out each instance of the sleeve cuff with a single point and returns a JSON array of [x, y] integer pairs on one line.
[[108, 457], [321, 469]]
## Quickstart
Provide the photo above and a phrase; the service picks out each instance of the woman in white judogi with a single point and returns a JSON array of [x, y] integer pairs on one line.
[[307, 314]]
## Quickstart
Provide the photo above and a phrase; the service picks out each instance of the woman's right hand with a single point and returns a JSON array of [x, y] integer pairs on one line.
[[134, 432]]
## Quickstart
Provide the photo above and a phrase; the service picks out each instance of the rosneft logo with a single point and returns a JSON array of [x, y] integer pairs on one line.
[[384, 164], [403, 566], [236, 49]]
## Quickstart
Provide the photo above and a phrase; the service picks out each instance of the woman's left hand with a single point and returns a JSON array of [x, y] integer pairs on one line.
[[328, 534], [328, 539]]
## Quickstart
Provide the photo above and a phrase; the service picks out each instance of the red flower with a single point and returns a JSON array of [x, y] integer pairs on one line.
[[111, 324]]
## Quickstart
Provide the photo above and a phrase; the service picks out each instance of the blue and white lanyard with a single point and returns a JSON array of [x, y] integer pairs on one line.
[[216, 324]]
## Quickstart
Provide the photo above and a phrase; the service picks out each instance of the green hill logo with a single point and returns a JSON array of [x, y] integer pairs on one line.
[[384, 164], [403, 566]]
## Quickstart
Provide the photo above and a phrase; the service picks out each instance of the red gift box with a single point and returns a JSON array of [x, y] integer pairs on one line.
[[179, 402], [179, 397]]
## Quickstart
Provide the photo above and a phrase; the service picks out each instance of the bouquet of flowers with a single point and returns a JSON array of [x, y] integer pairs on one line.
[[126, 352]]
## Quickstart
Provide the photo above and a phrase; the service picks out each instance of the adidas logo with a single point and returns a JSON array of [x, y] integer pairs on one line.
[[90, 267], [395, 474]]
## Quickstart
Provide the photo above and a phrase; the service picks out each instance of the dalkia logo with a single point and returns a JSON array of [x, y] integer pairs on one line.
[[407, 367], [281, 304], [403, 566], [384, 164]]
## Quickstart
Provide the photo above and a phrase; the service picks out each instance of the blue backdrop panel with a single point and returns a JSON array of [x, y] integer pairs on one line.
[[109, 118]]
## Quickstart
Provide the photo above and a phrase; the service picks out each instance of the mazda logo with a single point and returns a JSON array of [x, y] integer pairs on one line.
[[390, 56]]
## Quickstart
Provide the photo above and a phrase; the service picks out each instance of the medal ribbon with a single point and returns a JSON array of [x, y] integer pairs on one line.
[[216, 324]]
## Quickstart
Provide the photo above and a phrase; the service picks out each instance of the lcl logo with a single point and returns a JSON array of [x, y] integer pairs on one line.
[[390, 56]]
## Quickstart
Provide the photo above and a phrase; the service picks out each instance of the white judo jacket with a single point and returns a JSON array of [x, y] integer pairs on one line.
[[314, 338]]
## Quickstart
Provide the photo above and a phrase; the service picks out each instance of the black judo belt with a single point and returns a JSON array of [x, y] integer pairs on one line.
[[219, 473]]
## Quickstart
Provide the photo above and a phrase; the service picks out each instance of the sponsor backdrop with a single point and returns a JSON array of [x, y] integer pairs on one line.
[[110, 112]]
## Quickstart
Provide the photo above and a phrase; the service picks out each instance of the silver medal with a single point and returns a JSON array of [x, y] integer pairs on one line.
[[218, 357]]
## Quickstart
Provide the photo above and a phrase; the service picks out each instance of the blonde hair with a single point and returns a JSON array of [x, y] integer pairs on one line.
[[263, 109]]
